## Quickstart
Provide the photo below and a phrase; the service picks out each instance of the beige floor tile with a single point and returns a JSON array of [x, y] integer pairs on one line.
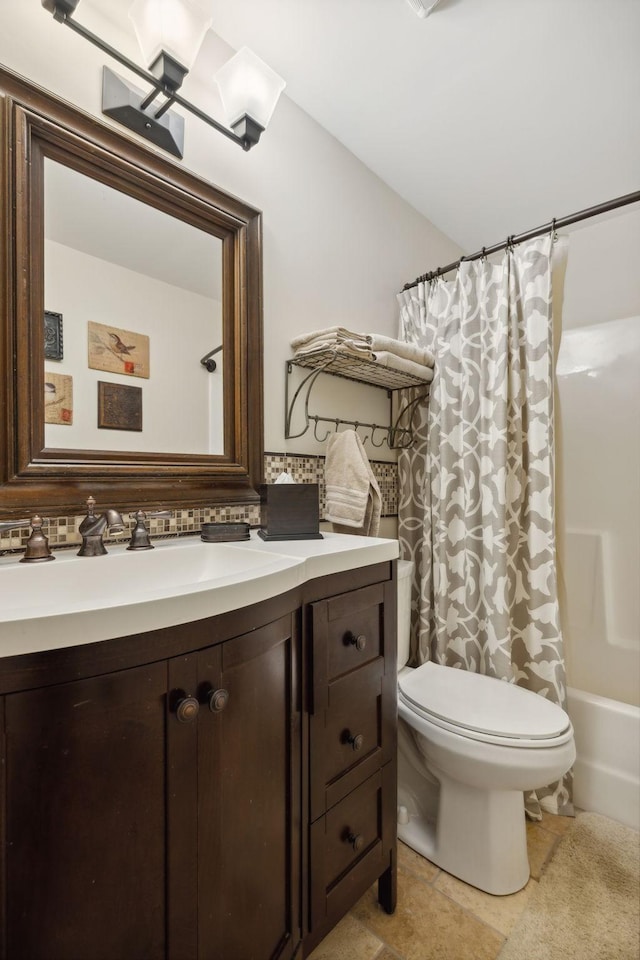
[[541, 844], [349, 940], [427, 925], [557, 825], [414, 863], [499, 912]]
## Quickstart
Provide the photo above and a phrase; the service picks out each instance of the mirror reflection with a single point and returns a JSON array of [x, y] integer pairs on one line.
[[133, 301]]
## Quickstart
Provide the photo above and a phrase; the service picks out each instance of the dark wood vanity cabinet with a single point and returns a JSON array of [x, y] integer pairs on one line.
[[204, 802], [148, 812]]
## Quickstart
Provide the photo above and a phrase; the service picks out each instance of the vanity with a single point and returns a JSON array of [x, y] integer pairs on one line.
[[198, 748]]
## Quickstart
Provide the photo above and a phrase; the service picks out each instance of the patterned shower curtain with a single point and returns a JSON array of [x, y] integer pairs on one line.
[[476, 509]]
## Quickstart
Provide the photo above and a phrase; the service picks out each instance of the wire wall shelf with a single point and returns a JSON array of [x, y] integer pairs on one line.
[[361, 370]]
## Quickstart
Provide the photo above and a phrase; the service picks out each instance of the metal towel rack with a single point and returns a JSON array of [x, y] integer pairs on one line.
[[362, 371]]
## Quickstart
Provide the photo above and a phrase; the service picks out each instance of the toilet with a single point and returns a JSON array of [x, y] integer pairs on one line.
[[468, 746]]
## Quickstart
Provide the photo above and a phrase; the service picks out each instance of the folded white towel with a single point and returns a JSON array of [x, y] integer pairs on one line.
[[353, 501], [410, 351], [394, 362], [353, 348], [330, 333]]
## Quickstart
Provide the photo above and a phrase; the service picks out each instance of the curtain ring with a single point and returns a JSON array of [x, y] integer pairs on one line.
[[483, 255], [554, 232]]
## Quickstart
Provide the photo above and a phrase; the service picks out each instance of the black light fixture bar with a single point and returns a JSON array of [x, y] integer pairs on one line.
[[61, 13]]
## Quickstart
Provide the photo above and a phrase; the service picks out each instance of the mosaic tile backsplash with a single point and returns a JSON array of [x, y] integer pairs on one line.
[[63, 531]]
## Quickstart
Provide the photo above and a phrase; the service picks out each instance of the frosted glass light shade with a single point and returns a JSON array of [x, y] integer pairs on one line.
[[176, 27], [248, 86]]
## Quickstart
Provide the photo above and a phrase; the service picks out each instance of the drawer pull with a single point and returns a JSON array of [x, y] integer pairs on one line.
[[358, 642], [356, 840], [218, 699], [187, 709], [356, 740]]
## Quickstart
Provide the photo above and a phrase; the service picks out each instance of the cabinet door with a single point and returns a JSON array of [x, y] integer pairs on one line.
[[85, 819], [249, 796]]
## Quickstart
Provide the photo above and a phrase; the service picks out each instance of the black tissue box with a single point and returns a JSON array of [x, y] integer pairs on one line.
[[289, 511]]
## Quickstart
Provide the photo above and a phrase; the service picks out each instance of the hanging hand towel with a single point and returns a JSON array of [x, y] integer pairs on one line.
[[352, 491]]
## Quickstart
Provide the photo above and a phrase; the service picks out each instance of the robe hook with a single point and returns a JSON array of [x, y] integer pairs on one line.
[[315, 430], [385, 438]]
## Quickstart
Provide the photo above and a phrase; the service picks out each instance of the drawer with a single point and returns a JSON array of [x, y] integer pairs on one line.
[[353, 736], [353, 726], [350, 629], [351, 845]]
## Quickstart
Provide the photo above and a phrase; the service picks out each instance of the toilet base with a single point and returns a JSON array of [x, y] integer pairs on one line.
[[479, 836]]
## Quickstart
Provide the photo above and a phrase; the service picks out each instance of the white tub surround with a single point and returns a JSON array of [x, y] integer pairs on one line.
[[607, 768]]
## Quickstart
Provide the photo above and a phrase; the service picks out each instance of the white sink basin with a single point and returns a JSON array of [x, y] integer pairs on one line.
[[84, 599], [77, 600], [124, 577]]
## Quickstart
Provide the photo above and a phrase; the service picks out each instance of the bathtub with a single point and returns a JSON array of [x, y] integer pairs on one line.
[[607, 768]]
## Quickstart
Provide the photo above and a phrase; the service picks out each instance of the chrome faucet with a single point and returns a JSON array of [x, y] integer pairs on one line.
[[93, 527]]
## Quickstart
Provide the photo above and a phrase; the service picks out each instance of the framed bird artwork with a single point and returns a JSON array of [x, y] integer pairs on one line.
[[118, 351], [58, 398]]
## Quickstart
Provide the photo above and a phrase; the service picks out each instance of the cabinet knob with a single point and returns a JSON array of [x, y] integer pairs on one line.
[[356, 740], [218, 699], [358, 642], [356, 840], [187, 709]]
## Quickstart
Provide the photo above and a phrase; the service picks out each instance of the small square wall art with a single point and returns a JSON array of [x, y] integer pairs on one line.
[[58, 398], [53, 346], [118, 351], [119, 406]]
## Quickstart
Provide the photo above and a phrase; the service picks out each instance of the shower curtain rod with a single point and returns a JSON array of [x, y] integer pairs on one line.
[[530, 234]]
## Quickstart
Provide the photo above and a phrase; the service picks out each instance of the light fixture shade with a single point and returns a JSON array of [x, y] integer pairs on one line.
[[176, 27], [248, 87]]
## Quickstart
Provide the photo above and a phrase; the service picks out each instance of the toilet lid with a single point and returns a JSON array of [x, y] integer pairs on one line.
[[481, 705]]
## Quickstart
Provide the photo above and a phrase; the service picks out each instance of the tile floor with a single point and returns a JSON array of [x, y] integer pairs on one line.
[[438, 917]]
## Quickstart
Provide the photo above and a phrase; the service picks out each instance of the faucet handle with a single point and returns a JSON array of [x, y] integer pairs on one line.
[[37, 545], [140, 535]]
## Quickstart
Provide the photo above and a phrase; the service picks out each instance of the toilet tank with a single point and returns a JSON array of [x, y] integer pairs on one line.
[[405, 580]]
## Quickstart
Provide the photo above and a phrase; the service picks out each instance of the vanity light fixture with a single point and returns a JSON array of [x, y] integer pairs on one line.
[[170, 33]]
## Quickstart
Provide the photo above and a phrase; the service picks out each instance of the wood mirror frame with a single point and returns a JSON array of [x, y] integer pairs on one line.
[[36, 125]]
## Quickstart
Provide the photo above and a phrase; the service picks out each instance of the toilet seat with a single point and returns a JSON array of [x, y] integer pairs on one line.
[[482, 708]]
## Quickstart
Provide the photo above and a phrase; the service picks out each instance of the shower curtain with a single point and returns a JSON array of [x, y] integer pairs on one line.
[[476, 490]]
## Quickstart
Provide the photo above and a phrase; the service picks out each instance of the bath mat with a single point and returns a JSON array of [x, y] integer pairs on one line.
[[587, 905]]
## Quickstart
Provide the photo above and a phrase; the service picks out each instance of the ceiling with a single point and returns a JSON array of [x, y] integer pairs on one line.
[[489, 116]]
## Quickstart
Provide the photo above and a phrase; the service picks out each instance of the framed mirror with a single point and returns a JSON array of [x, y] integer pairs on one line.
[[123, 273]]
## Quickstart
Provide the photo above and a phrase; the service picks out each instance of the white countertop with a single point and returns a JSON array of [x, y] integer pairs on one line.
[[77, 600]]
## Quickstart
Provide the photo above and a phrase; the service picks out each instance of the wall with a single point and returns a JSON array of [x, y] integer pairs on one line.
[[599, 457], [338, 243]]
